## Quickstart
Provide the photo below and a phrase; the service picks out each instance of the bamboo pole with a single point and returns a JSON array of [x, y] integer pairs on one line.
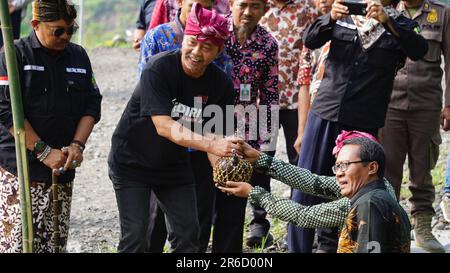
[[19, 128], [81, 30]]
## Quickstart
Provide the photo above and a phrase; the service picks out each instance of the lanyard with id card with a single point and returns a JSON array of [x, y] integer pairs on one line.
[[245, 88]]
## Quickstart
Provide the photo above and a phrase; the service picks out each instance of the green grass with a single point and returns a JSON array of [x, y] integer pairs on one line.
[[103, 247]]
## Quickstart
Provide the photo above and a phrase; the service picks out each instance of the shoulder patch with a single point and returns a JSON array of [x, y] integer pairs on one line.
[[432, 16]]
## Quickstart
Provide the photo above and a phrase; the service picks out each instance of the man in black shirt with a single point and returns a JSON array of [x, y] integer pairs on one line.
[[365, 54], [145, 15], [149, 144], [61, 105]]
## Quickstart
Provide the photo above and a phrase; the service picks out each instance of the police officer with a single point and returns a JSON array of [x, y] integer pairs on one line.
[[61, 104], [414, 113]]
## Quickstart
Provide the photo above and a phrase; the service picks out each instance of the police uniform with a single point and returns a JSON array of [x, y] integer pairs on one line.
[[58, 89], [412, 122]]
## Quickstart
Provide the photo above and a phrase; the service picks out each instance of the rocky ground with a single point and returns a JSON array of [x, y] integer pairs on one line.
[[94, 219]]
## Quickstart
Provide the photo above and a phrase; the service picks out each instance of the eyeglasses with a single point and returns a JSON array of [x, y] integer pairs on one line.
[[59, 31], [343, 166]]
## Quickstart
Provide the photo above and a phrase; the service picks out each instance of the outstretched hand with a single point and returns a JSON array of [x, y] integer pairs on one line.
[[250, 153], [228, 146], [239, 189]]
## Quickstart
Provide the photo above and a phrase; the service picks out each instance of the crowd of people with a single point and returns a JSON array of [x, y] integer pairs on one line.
[[354, 91]]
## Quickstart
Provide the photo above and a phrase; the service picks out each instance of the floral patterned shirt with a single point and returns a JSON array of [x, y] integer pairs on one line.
[[312, 68], [255, 65], [287, 25]]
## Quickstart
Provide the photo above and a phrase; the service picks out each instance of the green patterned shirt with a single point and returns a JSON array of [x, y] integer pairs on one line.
[[325, 215]]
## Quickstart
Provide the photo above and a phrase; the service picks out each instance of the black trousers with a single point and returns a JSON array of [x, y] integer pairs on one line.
[[205, 192], [289, 122], [178, 202]]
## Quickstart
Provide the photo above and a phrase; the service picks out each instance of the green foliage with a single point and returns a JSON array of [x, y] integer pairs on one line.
[[102, 20]]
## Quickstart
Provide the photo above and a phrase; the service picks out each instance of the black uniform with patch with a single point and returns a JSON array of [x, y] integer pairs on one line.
[[57, 90]]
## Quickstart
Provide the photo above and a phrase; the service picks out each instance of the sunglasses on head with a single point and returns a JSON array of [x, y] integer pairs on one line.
[[59, 31]]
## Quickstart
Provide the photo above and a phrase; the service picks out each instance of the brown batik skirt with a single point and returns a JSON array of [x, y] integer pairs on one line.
[[41, 198]]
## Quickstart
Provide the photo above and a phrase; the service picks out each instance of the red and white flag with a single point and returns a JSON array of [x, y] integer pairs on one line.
[[4, 80]]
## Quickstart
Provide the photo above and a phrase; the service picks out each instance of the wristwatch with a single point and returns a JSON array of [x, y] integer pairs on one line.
[[39, 147]]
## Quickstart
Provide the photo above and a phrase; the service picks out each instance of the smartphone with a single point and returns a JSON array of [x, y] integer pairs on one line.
[[356, 7]]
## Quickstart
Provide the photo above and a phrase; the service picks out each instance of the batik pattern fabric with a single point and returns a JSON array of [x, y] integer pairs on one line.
[[325, 215], [42, 203], [312, 68], [287, 24], [370, 30], [376, 223], [162, 38], [255, 63]]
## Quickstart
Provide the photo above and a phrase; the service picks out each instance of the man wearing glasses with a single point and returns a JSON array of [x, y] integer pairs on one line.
[[61, 104], [370, 218]]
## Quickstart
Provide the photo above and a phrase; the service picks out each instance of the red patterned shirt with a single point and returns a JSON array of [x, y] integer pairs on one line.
[[287, 24], [312, 68]]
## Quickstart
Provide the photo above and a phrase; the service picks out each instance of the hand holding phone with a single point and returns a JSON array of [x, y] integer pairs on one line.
[[356, 7], [338, 10], [375, 10]]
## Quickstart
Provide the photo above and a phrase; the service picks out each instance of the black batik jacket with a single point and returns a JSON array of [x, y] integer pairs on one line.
[[376, 223]]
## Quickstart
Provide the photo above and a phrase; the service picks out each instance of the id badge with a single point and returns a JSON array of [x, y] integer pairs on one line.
[[245, 92]]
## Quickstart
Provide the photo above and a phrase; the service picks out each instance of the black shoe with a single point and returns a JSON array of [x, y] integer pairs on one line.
[[256, 240]]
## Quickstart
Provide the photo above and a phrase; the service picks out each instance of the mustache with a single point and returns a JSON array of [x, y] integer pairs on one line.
[[190, 55], [63, 41]]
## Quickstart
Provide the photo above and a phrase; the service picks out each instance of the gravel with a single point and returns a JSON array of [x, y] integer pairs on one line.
[[94, 218]]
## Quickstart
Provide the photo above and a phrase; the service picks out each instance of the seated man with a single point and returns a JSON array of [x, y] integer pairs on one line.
[[375, 222], [324, 215]]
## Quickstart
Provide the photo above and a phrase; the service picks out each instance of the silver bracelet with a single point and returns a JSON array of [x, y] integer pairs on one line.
[[42, 156]]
